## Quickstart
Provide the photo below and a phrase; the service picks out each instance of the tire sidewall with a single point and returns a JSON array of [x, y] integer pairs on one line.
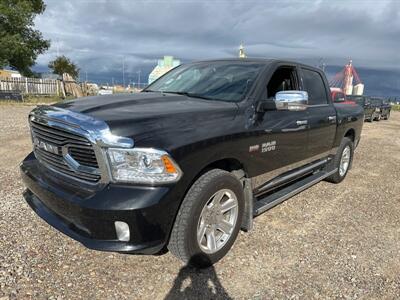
[[346, 142], [194, 250]]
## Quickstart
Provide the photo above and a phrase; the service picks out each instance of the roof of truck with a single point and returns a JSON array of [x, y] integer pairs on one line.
[[255, 60]]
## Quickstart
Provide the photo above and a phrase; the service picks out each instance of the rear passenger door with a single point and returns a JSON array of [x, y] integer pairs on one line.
[[321, 113]]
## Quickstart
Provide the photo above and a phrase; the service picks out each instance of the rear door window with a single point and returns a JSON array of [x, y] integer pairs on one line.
[[315, 87]]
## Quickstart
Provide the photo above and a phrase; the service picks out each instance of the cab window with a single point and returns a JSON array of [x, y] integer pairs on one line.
[[283, 79], [315, 87]]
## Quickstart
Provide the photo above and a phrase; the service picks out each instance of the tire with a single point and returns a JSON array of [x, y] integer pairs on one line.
[[338, 176], [371, 118], [387, 116], [195, 211]]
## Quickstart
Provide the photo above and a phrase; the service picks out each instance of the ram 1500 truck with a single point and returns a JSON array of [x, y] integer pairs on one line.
[[189, 161]]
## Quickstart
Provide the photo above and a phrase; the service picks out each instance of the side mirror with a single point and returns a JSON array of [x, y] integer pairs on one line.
[[291, 100]]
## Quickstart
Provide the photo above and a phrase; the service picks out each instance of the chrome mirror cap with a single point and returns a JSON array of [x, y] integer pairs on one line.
[[291, 100]]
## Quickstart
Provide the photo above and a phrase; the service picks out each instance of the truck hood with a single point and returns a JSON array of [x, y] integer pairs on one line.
[[151, 116]]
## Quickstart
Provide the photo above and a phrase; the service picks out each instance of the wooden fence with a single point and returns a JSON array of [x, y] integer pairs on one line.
[[31, 86]]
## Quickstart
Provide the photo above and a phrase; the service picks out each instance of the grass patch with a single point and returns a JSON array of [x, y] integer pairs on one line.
[[34, 100], [396, 107]]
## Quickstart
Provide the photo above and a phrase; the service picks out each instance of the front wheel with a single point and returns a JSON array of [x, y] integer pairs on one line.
[[208, 220], [371, 118], [342, 160]]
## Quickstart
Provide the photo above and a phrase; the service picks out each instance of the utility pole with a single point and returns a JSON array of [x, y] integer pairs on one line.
[[140, 71], [123, 71], [86, 75]]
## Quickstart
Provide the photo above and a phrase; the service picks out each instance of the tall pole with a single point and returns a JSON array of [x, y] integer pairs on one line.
[[123, 71], [139, 78]]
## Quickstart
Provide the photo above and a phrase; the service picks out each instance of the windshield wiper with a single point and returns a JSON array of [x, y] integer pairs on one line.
[[191, 95]]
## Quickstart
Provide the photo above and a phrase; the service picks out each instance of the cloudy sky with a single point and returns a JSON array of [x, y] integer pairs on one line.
[[99, 35]]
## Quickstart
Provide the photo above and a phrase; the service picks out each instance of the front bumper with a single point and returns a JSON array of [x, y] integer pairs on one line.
[[88, 216]]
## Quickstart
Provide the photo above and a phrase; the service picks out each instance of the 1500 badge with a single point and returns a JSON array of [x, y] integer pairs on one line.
[[265, 147]]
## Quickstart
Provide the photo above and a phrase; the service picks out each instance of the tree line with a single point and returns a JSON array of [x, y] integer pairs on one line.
[[21, 43]]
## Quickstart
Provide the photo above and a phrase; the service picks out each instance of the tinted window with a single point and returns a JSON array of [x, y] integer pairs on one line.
[[315, 87], [226, 81], [339, 97], [283, 79]]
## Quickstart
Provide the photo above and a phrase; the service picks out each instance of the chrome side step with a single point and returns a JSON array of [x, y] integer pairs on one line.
[[270, 201]]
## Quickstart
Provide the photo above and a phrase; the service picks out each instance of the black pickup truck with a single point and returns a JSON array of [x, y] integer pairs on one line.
[[365, 103], [382, 108], [189, 161]]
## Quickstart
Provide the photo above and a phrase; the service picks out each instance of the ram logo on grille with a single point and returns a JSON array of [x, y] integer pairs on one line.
[[45, 146]]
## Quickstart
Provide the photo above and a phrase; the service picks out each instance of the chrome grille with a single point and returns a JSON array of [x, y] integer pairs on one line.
[[64, 143]]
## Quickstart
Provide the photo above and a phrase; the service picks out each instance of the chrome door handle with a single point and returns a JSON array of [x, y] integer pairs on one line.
[[332, 118], [302, 122]]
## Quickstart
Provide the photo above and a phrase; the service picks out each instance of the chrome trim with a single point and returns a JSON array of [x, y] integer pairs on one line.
[[291, 100], [262, 179], [96, 131], [301, 122]]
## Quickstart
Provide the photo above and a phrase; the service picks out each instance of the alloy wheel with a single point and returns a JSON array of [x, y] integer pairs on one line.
[[217, 221], [344, 161]]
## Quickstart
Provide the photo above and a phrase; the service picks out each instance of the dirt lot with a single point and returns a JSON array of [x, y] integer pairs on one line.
[[331, 241]]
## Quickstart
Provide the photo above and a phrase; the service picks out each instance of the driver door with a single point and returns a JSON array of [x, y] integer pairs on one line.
[[282, 133]]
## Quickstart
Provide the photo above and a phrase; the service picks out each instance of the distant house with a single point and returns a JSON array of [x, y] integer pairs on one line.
[[163, 66], [10, 74]]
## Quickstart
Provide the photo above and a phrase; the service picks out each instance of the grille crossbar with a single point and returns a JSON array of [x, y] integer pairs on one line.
[[78, 147]]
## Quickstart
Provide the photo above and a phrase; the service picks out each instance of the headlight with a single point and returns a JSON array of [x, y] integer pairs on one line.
[[142, 165]]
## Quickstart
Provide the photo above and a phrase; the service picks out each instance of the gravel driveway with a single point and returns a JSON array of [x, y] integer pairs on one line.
[[331, 241]]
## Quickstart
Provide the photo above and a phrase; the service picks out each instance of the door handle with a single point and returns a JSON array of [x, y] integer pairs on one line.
[[332, 118], [301, 122]]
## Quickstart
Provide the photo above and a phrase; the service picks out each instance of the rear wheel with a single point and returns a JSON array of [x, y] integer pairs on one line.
[[387, 116], [342, 160], [208, 220]]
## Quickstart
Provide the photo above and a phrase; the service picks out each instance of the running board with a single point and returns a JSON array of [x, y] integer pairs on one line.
[[270, 201]]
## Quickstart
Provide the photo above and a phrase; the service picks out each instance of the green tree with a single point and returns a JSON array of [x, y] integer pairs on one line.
[[20, 43], [63, 65]]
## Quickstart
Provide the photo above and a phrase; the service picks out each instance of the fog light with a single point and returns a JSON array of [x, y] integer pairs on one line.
[[122, 230]]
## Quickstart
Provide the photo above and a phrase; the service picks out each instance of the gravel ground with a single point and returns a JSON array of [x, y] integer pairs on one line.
[[331, 241]]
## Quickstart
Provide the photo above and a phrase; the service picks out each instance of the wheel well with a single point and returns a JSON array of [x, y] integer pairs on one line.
[[350, 134], [227, 164]]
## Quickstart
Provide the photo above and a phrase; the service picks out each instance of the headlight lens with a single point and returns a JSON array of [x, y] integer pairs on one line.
[[142, 165]]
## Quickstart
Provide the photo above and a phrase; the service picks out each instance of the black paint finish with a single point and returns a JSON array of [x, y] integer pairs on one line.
[[197, 133]]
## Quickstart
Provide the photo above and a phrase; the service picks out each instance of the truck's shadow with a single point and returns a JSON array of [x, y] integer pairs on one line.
[[192, 283]]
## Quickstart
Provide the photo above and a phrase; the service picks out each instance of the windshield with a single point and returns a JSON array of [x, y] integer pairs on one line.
[[226, 81], [358, 99], [376, 101]]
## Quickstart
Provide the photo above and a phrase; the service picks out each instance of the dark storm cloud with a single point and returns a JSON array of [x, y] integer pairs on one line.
[[98, 35]]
